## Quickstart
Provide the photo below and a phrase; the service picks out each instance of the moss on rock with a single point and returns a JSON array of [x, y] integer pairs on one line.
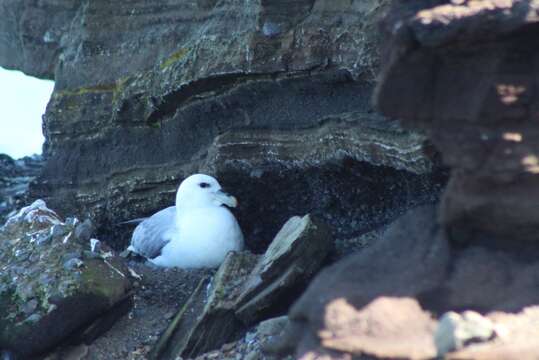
[[46, 281]]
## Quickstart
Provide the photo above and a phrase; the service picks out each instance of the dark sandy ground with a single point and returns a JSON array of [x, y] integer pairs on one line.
[[159, 294]]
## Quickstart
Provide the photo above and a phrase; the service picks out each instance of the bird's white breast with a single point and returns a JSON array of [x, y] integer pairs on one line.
[[204, 238]]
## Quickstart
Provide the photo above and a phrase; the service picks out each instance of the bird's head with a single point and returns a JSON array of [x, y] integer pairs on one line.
[[201, 190]]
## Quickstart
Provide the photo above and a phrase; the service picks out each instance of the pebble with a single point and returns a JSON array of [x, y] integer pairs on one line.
[[33, 318], [30, 306], [43, 239], [72, 221], [170, 314], [59, 230], [71, 255], [253, 355], [83, 231], [73, 264], [271, 29], [228, 347]]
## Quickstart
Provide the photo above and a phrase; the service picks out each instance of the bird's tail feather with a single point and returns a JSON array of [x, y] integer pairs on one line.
[[130, 251], [134, 221]]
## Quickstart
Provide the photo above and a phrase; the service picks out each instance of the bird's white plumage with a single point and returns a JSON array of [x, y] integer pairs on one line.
[[197, 232]]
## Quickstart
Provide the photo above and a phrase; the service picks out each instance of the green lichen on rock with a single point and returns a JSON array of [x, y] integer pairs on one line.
[[229, 278], [155, 125], [174, 58], [31, 261], [46, 279], [119, 88], [96, 89], [93, 281]]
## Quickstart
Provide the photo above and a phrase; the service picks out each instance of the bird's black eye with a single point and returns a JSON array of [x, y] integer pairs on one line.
[[204, 185]]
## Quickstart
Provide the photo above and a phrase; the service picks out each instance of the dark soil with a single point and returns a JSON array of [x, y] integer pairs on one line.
[[159, 294]]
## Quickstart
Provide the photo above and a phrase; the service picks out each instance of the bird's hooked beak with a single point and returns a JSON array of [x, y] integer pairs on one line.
[[222, 198]]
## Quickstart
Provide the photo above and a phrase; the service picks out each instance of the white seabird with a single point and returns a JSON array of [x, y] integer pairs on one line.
[[198, 232]]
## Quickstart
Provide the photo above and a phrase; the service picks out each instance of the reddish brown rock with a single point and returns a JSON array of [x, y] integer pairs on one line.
[[409, 261], [361, 304], [386, 327], [467, 73]]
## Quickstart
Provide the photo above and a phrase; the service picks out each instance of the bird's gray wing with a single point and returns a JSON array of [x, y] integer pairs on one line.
[[151, 235]]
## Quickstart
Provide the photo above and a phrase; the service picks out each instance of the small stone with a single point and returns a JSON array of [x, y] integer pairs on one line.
[[33, 318], [73, 264], [59, 230], [26, 291], [43, 239], [87, 254], [271, 29], [256, 173], [169, 315], [213, 354], [30, 306], [455, 331], [253, 355], [250, 337], [72, 221], [83, 232], [45, 279], [95, 245], [273, 326], [150, 340], [71, 255], [34, 257], [21, 255], [228, 347]]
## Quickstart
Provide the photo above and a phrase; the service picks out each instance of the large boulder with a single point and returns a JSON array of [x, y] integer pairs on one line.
[[296, 253], [51, 285], [385, 300], [465, 72]]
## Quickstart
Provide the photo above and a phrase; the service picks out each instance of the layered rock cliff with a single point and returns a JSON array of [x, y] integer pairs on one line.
[[272, 97]]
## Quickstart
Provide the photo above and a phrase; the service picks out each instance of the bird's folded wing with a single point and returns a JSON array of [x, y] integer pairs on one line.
[[151, 235]]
